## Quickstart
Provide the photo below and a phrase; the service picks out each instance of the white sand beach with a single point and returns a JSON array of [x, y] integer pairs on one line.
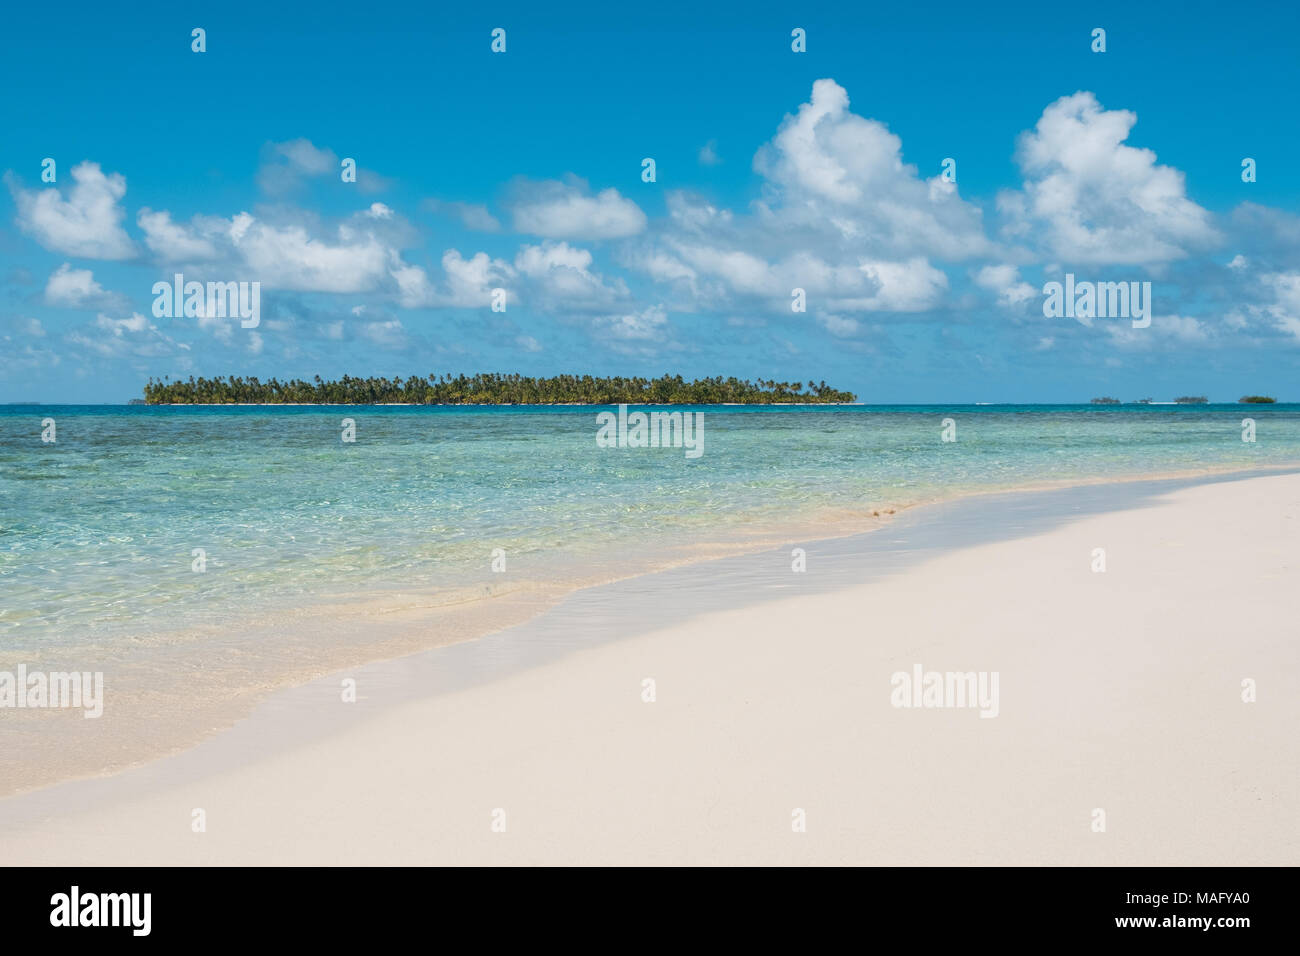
[[1119, 691]]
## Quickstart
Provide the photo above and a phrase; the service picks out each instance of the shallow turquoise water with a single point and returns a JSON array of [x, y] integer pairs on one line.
[[97, 529]]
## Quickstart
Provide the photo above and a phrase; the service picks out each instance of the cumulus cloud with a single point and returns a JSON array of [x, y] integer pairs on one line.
[[540, 260], [76, 289], [467, 283], [569, 210], [1004, 280], [717, 271], [470, 281], [88, 223], [841, 216], [362, 254], [562, 279], [175, 243], [289, 257], [911, 286], [838, 214], [1089, 197], [359, 254], [827, 164]]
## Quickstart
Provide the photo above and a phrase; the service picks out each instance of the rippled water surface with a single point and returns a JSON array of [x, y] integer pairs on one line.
[[98, 530]]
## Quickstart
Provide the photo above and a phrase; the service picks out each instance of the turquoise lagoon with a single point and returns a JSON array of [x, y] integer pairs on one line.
[[98, 530]]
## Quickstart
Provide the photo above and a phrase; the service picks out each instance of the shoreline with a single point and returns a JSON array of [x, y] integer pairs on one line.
[[407, 618], [511, 609], [517, 708]]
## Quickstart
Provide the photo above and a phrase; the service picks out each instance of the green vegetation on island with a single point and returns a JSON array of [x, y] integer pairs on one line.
[[1257, 400], [1191, 400], [1106, 400], [490, 389]]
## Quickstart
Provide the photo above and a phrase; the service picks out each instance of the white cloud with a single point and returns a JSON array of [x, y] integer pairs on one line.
[[739, 270], [288, 257], [827, 164], [709, 154], [88, 223], [536, 261], [562, 280], [841, 216], [469, 282], [719, 275], [413, 287], [175, 243], [1088, 197], [358, 255], [1005, 280], [569, 210], [912, 286], [76, 289]]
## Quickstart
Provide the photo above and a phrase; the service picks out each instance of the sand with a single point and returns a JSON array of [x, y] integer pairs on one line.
[[1119, 691]]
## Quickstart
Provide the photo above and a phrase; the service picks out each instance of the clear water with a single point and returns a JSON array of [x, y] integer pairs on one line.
[[97, 529]]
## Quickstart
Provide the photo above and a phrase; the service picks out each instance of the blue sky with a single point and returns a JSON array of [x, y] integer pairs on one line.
[[774, 170]]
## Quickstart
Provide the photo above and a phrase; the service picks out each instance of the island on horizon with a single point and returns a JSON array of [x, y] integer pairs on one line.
[[490, 388]]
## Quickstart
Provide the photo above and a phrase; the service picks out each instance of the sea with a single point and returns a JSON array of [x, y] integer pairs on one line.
[[143, 518]]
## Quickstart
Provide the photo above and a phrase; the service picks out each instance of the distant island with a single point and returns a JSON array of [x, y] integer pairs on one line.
[[1191, 400], [490, 389], [1257, 400], [1105, 400]]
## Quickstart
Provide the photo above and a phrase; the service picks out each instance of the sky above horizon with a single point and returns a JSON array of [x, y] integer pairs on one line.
[[775, 170]]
